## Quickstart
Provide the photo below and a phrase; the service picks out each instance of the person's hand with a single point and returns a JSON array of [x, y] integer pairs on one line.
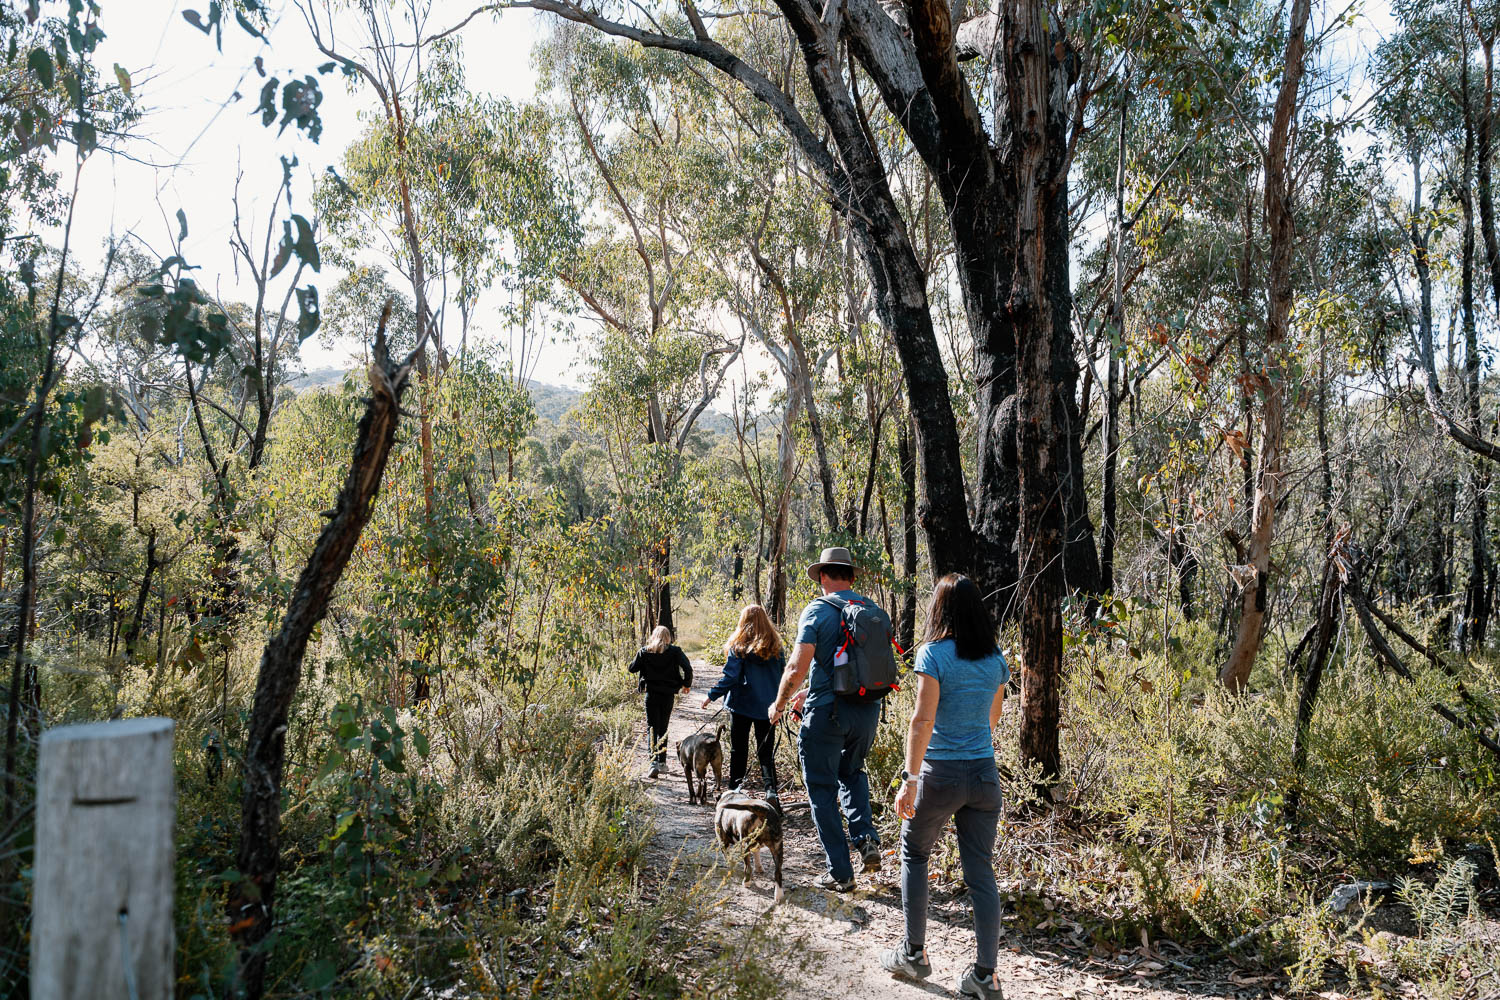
[[775, 713], [906, 800], [685, 689], [798, 700], [707, 702]]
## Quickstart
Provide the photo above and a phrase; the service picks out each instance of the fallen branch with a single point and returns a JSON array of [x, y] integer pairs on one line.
[[250, 900]]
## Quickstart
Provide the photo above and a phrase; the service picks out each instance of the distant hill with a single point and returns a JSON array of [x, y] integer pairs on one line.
[[319, 378], [552, 402]]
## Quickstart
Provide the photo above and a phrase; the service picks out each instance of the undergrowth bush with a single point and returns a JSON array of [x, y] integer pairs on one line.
[[471, 845], [1175, 821]]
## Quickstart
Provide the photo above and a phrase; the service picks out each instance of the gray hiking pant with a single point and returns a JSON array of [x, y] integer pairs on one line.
[[968, 791]]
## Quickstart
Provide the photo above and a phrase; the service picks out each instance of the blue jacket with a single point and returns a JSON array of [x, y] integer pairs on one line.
[[749, 684]]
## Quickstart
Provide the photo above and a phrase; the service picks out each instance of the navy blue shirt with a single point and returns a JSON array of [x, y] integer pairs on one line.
[[749, 684], [820, 627], [966, 690]]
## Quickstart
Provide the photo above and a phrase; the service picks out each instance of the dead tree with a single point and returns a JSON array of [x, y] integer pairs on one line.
[[251, 899], [1330, 612]]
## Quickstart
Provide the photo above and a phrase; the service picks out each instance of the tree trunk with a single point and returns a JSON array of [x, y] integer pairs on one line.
[[908, 630], [251, 900], [134, 634], [664, 590], [1330, 603], [781, 527], [1281, 224], [815, 428], [1031, 75], [1476, 603], [1116, 338], [1485, 160], [1242, 335]]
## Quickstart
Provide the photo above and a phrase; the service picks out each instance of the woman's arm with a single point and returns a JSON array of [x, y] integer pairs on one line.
[[733, 670], [635, 664], [687, 669], [918, 735], [996, 706]]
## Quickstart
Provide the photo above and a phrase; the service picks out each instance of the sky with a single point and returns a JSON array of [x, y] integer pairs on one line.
[[195, 139]]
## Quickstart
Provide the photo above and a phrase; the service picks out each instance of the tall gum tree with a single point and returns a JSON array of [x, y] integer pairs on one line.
[[640, 273], [1006, 201], [1270, 455]]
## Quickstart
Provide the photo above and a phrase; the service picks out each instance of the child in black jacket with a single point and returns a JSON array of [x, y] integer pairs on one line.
[[664, 670]]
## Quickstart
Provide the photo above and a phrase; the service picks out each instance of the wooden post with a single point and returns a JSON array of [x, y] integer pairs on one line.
[[102, 912]]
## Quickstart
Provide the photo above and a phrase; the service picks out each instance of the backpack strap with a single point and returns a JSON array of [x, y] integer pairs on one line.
[[840, 603]]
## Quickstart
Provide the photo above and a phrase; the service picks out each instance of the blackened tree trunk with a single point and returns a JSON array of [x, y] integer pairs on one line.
[[251, 900], [1115, 343], [1476, 603], [908, 461], [133, 635], [1031, 73], [1330, 606], [664, 589], [1005, 202]]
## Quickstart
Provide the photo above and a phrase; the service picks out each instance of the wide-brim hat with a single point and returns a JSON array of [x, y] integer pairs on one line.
[[836, 556]]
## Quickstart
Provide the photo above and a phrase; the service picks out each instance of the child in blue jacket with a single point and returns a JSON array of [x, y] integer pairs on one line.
[[752, 670]]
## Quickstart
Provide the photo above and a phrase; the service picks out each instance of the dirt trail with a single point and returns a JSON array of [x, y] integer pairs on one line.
[[843, 935]]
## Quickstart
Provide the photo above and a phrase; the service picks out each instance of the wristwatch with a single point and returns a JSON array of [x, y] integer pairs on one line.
[[907, 776]]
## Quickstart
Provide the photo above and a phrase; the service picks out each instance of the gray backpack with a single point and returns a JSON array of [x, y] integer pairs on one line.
[[869, 669]]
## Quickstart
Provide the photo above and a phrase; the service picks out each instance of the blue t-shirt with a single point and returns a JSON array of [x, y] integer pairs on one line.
[[820, 627], [966, 689]]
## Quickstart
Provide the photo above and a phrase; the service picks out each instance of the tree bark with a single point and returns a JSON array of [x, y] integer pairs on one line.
[[1330, 604], [133, 635], [908, 629], [1116, 337], [1030, 73], [781, 526], [1476, 603], [251, 900], [1281, 224]]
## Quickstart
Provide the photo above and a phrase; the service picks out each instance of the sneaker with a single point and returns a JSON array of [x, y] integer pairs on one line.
[[654, 773], [987, 988], [827, 881], [870, 852], [904, 963]]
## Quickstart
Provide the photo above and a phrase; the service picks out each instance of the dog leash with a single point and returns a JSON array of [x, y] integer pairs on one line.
[[704, 726]]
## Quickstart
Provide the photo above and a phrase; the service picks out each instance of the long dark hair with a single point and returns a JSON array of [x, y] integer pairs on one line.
[[958, 612]]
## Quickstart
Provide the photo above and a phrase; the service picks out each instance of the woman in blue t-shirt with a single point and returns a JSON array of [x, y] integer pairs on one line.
[[950, 773]]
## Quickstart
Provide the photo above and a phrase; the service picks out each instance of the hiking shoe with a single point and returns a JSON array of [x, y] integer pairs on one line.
[[870, 852], [655, 772], [904, 963], [775, 803], [827, 881], [987, 988]]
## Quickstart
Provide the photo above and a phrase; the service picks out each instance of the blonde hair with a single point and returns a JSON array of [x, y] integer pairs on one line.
[[661, 638], [755, 634]]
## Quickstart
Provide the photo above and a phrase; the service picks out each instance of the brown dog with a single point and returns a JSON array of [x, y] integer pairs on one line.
[[743, 819], [697, 754]]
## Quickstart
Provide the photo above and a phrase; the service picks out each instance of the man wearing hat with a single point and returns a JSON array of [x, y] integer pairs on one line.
[[836, 733]]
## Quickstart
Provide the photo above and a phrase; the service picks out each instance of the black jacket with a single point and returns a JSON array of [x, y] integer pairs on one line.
[[662, 672]]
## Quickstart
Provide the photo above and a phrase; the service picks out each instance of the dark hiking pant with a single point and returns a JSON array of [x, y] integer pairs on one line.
[[832, 744], [739, 750], [969, 792], [658, 714]]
